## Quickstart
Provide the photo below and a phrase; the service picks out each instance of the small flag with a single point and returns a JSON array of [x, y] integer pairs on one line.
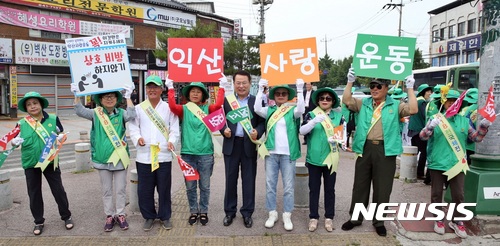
[[239, 114], [216, 120], [154, 150], [9, 136], [455, 107], [190, 174], [4, 154], [488, 111]]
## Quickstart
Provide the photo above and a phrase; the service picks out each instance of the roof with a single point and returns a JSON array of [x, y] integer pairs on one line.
[[449, 6], [200, 5]]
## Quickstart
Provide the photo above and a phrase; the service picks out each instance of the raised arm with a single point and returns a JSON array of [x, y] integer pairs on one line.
[[301, 106], [259, 109]]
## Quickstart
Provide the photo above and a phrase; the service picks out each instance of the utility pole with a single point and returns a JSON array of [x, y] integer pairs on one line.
[[262, 10], [326, 45], [481, 182], [400, 8]]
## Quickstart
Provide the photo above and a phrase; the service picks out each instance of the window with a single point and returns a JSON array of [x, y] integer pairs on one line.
[[129, 41], [479, 28], [435, 36], [442, 61], [451, 60], [435, 61], [467, 79], [441, 33], [471, 26], [451, 31], [461, 29], [471, 56], [47, 34]]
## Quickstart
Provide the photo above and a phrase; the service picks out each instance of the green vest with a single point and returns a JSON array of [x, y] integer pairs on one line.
[[470, 113], [292, 132], [100, 146], [440, 156], [317, 142], [393, 144], [416, 123], [196, 139], [431, 109], [33, 145]]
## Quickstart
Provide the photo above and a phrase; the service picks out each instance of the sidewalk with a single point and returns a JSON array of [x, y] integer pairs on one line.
[[84, 195]]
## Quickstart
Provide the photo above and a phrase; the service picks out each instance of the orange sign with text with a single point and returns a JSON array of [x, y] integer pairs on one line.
[[195, 59], [284, 62]]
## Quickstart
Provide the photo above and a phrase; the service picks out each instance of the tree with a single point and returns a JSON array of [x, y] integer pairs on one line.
[[418, 61], [242, 54]]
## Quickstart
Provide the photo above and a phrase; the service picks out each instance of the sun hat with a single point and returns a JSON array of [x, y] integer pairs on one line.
[[185, 90], [398, 94], [316, 93], [97, 97], [291, 92], [422, 89], [453, 94], [471, 95], [32, 94], [154, 79], [436, 91]]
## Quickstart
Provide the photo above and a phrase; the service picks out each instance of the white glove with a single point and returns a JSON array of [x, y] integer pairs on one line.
[[433, 123], [128, 91], [409, 81], [223, 83], [262, 84], [319, 118], [74, 88], [60, 137], [300, 85], [169, 83], [485, 123], [17, 141], [331, 140], [351, 75]]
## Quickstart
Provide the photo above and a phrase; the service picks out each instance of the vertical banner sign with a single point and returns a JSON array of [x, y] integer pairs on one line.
[[385, 57], [99, 64], [286, 61], [13, 87], [195, 59]]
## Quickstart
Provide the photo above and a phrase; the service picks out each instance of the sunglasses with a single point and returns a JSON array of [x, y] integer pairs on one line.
[[281, 94], [373, 86], [328, 99]]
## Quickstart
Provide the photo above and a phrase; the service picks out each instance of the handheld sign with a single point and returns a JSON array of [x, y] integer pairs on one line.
[[384, 57], [239, 114], [284, 62]]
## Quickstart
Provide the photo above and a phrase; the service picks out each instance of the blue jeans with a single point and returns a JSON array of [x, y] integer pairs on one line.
[[204, 164], [275, 163]]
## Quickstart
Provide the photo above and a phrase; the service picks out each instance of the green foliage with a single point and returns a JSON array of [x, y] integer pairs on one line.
[[242, 54], [418, 61]]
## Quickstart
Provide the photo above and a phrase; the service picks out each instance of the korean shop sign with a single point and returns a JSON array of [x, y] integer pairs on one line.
[[195, 59], [99, 64], [385, 57], [41, 53], [284, 62]]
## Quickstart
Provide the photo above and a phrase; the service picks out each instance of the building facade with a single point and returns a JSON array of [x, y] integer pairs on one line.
[[455, 33]]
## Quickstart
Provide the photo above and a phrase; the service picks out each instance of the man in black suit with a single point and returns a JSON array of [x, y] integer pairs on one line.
[[308, 101], [240, 151]]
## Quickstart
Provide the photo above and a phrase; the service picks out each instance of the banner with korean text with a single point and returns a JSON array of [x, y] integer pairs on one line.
[[286, 61], [99, 64], [195, 59], [385, 57]]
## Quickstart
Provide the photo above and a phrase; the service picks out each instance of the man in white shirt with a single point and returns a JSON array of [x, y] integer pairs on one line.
[[154, 125]]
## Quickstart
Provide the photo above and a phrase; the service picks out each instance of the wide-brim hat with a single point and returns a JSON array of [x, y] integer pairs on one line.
[[118, 94], [422, 89], [471, 95], [436, 91], [154, 79], [291, 92], [32, 94], [398, 94], [186, 89], [453, 94], [316, 93]]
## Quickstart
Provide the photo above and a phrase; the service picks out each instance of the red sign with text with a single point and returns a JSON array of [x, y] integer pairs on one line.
[[195, 59]]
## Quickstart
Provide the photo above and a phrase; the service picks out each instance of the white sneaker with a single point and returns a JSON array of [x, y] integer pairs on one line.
[[329, 225], [439, 227], [313, 224], [273, 217], [459, 228], [287, 221]]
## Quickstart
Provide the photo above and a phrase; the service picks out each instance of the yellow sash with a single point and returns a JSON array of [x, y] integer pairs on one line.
[[377, 114], [194, 109], [160, 125], [454, 143], [120, 152], [44, 135], [332, 159], [277, 115], [246, 124]]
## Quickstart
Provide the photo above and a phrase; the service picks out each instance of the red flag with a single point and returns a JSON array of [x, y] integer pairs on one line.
[[488, 111], [190, 174], [455, 107], [216, 120], [9, 136]]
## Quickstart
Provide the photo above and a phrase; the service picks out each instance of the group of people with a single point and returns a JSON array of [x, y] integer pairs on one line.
[[154, 127]]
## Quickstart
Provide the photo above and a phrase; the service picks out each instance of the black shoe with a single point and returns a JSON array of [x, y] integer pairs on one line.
[[228, 220], [203, 219], [193, 219], [248, 222], [347, 226], [381, 231]]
